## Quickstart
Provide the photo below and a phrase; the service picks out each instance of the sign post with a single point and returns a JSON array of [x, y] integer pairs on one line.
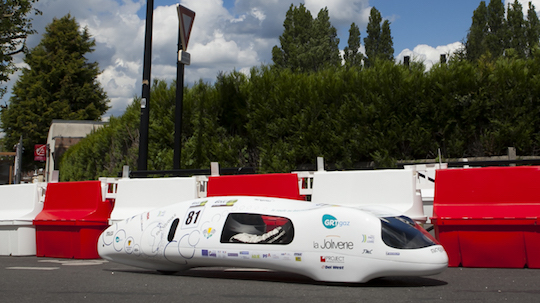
[[18, 161], [142, 163], [185, 22]]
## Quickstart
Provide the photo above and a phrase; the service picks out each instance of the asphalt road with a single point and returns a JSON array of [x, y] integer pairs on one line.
[[32, 279]]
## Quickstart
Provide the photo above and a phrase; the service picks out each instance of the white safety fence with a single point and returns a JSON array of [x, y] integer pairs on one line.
[[19, 205]]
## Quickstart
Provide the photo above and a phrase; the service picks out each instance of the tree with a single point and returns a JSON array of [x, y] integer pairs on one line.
[[497, 36], [475, 45], [58, 84], [15, 26], [532, 30], [378, 42], [307, 44], [371, 42], [324, 42], [386, 44], [516, 29], [351, 52], [295, 38]]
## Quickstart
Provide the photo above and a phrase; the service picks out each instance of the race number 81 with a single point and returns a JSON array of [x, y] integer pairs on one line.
[[192, 217]]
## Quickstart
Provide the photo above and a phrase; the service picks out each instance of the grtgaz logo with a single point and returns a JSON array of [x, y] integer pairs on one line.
[[330, 222]]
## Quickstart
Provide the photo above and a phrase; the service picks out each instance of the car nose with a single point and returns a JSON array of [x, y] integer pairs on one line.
[[105, 243]]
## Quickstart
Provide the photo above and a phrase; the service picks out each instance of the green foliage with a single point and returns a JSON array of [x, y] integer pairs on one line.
[[106, 150], [278, 120], [497, 37], [532, 30], [378, 42], [351, 53], [386, 43], [493, 34], [59, 84], [516, 25], [307, 44], [475, 45], [15, 26]]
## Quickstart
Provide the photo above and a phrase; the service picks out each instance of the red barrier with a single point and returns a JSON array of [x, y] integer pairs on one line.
[[266, 185], [73, 217], [488, 217]]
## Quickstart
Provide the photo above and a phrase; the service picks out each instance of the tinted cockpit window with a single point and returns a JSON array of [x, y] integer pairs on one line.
[[403, 233], [257, 229]]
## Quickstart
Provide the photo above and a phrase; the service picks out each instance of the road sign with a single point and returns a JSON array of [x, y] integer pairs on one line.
[[186, 17], [184, 57], [40, 152]]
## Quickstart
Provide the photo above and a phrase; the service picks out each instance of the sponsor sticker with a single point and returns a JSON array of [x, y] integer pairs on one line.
[[222, 203], [198, 203], [129, 245], [333, 244], [368, 239], [437, 249], [209, 232], [333, 267], [286, 256], [332, 259], [330, 222], [208, 253]]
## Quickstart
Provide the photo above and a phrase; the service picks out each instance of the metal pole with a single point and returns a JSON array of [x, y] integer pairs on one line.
[[18, 161], [177, 156], [145, 101]]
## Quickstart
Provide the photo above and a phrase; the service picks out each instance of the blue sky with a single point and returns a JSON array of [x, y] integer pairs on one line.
[[431, 22], [237, 35]]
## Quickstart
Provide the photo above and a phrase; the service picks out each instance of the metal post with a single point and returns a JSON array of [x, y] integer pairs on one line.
[[177, 156], [145, 101], [18, 161], [443, 59]]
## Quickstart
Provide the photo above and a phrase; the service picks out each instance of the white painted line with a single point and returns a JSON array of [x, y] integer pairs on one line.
[[76, 262], [33, 268]]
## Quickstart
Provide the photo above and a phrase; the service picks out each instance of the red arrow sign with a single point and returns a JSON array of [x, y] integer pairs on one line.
[[186, 17]]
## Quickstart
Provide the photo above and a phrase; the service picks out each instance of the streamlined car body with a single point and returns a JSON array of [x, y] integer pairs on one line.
[[324, 242]]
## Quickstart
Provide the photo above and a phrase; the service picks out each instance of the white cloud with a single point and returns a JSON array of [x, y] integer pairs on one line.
[[525, 5], [342, 12], [428, 54]]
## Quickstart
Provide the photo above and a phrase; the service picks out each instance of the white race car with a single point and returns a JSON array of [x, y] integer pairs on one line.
[[324, 242]]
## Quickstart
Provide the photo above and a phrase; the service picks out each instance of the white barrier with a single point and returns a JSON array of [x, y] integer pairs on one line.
[[391, 188], [135, 196], [19, 205], [425, 184]]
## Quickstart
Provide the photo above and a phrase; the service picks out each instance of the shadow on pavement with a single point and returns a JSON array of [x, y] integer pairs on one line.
[[279, 276]]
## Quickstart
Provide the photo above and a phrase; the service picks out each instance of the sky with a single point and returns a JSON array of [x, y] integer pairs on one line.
[[232, 35]]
